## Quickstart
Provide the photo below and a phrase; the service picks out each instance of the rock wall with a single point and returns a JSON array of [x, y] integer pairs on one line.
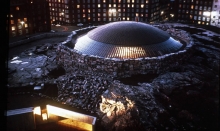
[[119, 68]]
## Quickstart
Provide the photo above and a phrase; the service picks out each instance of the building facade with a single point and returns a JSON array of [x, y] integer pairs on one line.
[[28, 17], [215, 13], [103, 11], [194, 11], [73, 12]]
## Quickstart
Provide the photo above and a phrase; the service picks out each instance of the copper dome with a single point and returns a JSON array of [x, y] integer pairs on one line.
[[127, 39]]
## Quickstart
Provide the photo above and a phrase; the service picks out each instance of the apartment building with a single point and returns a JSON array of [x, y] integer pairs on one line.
[[215, 13], [28, 17], [103, 11], [194, 11]]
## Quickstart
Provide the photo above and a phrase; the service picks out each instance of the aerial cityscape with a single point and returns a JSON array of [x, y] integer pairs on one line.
[[113, 65]]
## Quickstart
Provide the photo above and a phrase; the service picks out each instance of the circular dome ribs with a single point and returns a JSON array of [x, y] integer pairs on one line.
[[126, 40], [128, 33]]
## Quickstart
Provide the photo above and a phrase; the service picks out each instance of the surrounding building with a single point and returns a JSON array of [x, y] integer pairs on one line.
[[215, 13], [73, 12], [31, 16], [27, 17], [194, 11]]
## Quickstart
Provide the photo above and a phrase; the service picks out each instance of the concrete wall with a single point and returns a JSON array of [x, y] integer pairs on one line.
[[81, 119]]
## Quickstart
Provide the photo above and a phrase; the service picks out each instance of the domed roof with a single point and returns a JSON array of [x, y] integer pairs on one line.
[[128, 33], [126, 40]]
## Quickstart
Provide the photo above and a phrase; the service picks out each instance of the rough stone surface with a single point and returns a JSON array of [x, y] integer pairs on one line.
[[183, 96]]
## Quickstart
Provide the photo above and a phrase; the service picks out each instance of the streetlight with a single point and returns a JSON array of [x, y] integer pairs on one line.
[[161, 16], [62, 17], [22, 23]]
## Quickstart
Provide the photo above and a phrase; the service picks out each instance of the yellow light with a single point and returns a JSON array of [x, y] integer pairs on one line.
[[112, 10], [70, 114], [44, 116], [207, 13], [128, 52], [22, 22], [37, 110], [75, 124]]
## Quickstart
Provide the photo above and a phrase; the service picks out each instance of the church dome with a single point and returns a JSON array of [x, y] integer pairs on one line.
[[127, 40]]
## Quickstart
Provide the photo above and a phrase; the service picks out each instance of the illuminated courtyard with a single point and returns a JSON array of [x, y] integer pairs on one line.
[[154, 86]]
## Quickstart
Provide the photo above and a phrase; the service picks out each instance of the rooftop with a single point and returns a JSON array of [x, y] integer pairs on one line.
[[127, 40]]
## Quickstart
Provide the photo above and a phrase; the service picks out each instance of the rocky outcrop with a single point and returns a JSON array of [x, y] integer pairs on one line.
[[182, 97]]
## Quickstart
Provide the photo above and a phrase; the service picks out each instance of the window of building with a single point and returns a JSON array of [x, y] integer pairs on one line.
[[200, 7], [25, 25], [195, 17], [78, 6], [12, 21], [13, 28], [17, 8], [196, 7], [215, 6]]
